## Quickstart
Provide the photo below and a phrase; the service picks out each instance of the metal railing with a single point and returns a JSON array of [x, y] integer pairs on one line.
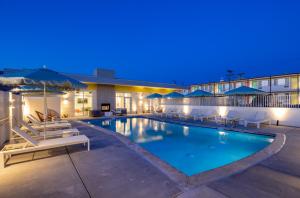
[[286, 101]]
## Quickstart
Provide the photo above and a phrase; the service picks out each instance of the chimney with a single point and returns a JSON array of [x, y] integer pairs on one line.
[[104, 73]]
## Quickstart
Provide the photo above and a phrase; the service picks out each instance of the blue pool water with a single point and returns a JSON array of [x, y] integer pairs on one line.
[[189, 149]]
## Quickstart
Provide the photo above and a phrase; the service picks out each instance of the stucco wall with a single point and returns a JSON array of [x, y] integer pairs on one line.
[[68, 104], [4, 116], [286, 116], [37, 104]]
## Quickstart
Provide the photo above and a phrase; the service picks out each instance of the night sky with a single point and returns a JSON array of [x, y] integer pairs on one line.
[[162, 41]]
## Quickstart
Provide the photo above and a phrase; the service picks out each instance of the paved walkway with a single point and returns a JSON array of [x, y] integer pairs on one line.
[[111, 169]]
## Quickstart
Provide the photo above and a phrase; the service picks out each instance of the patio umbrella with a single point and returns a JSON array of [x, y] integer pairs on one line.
[[243, 90], [36, 90], [39, 77], [154, 96], [198, 93], [173, 95]]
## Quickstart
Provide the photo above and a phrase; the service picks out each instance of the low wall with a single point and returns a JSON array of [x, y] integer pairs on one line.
[[286, 116]]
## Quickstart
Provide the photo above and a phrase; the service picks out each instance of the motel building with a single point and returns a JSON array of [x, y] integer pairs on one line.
[[105, 93]]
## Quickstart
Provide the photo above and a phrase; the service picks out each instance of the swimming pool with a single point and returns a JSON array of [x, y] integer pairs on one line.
[[189, 149]]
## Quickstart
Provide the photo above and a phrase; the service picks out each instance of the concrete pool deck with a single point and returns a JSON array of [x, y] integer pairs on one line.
[[111, 169]]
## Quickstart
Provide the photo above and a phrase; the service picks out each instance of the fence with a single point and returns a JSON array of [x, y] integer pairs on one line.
[[286, 101]]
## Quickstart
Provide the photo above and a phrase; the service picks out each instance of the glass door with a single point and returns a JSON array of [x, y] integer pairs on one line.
[[127, 104]]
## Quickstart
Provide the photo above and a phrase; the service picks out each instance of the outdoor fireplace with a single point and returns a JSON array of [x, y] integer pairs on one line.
[[105, 107]]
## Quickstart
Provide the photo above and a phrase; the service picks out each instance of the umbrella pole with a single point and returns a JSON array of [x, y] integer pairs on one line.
[[45, 110]]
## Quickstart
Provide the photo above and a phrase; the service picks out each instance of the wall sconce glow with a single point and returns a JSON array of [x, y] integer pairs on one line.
[[279, 112], [185, 109], [65, 102], [222, 111], [141, 97]]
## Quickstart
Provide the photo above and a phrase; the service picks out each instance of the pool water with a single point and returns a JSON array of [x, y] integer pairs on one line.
[[189, 149]]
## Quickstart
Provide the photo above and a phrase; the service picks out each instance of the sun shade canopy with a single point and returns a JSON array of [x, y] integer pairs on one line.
[[36, 90], [173, 95], [39, 77], [154, 96], [243, 90], [198, 93]]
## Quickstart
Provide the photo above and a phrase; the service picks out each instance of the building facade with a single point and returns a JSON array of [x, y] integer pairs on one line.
[[287, 84], [104, 88]]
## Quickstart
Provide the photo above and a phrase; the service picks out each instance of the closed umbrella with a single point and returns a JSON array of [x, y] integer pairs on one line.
[[39, 77]]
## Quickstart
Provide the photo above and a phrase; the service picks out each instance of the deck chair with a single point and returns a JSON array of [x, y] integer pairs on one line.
[[31, 145], [40, 115], [260, 118], [208, 114], [54, 115], [36, 124], [64, 132], [232, 116]]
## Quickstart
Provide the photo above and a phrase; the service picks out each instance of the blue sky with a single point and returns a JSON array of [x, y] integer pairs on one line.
[[186, 41]]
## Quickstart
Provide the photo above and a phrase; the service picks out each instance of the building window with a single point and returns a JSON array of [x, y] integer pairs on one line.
[[83, 103], [259, 84], [264, 83], [124, 100], [287, 82], [281, 81], [275, 82]]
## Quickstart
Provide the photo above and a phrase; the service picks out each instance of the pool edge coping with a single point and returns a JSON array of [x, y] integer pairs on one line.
[[203, 178]]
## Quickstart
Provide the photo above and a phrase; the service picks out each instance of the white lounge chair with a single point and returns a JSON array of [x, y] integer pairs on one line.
[[62, 133], [211, 113], [171, 113], [38, 125], [34, 120], [192, 114], [232, 116], [260, 118], [32, 145], [195, 113]]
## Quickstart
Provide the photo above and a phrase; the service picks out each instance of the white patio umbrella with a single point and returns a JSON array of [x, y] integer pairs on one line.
[[40, 77]]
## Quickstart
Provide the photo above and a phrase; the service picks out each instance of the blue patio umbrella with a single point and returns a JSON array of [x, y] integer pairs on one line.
[[39, 77], [198, 93], [36, 90], [243, 90], [154, 96], [173, 95]]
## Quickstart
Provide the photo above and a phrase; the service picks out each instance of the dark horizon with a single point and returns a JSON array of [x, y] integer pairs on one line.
[[160, 41]]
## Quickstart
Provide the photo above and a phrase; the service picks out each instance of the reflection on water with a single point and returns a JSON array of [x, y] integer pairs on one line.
[[223, 136], [187, 148], [186, 130], [137, 129], [143, 130]]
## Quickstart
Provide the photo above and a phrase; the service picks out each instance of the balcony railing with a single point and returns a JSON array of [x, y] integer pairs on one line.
[[286, 101]]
